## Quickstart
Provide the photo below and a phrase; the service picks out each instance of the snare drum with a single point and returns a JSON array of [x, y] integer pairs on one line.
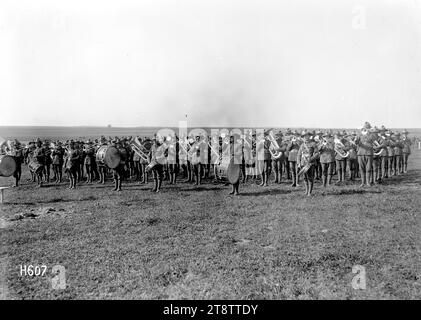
[[100, 155], [34, 166], [228, 170], [7, 166]]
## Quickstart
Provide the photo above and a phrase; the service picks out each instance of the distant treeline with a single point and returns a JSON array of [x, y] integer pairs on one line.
[[26, 133]]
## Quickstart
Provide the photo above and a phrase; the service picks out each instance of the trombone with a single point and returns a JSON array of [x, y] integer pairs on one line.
[[137, 148]]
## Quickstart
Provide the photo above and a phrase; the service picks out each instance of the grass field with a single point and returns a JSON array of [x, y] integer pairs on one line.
[[187, 242]]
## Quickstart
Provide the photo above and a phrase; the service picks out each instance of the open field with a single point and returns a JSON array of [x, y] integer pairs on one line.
[[26, 133], [187, 242]]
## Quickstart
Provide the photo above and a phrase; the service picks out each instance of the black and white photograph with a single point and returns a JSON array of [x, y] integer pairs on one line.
[[239, 151]]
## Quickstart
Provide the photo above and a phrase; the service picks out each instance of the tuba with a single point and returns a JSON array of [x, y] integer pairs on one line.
[[274, 147], [376, 145], [339, 149]]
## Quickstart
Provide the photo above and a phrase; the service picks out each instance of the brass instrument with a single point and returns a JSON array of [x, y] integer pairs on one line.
[[274, 148], [339, 149], [137, 148], [377, 145]]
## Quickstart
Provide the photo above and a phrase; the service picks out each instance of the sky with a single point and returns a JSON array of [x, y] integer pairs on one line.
[[228, 63]]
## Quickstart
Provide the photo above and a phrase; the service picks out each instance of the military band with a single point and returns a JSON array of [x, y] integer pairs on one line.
[[373, 154]]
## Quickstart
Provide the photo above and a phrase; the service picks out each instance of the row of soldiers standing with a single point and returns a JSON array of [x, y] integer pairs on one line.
[[373, 155]]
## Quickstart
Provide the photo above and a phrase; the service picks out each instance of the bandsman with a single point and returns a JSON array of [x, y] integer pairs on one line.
[[352, 160], [306, 157], [264, 157], [157, 155], [89, 160], [102, 168], [278, 162], [398, 146], [327, 158], [47, 161], [172, 159], [17, 154], [340, 156], [365, 153], [292, 149], [406, 150], [58, 160], [71, 164], [390, 153], [39, 157]]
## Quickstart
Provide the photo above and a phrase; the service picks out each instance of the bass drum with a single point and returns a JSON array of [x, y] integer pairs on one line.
[[7, 166], [110, 156], [228, 170]]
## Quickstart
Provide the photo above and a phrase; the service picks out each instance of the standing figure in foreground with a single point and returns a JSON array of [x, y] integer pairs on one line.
[[58, 156], [39, 157], [406, 150], [17, 154], [47, 161], [365, 154], [390, 153], [398, 146], [102, 168], [119, 171], [71, 164], [306, 158], [327, 158], [89, 160], [292, 149], [157, 159]]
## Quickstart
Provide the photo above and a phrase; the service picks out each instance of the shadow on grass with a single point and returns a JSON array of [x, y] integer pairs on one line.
[[268, 192], [54, 200], [349, 192], [201, 188]]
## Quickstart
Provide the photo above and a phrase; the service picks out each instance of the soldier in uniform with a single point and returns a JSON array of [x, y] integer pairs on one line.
[[102, 168], [390, 153], [58, 156], [382, 156], [157, 155], [352, 160], [265, 163], [89, 160], [17, 154], [307, 155], [47, 161], [339, 159], [143, 164], [278, 163], [71, 164], [292, 149], [236, 150], [29, 156], [365, 154], [39, 157], [137, 171], [119, 171], [406, 150], [398, 146], [196, 159], [327, 158], [172, 160], [317, 137]]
